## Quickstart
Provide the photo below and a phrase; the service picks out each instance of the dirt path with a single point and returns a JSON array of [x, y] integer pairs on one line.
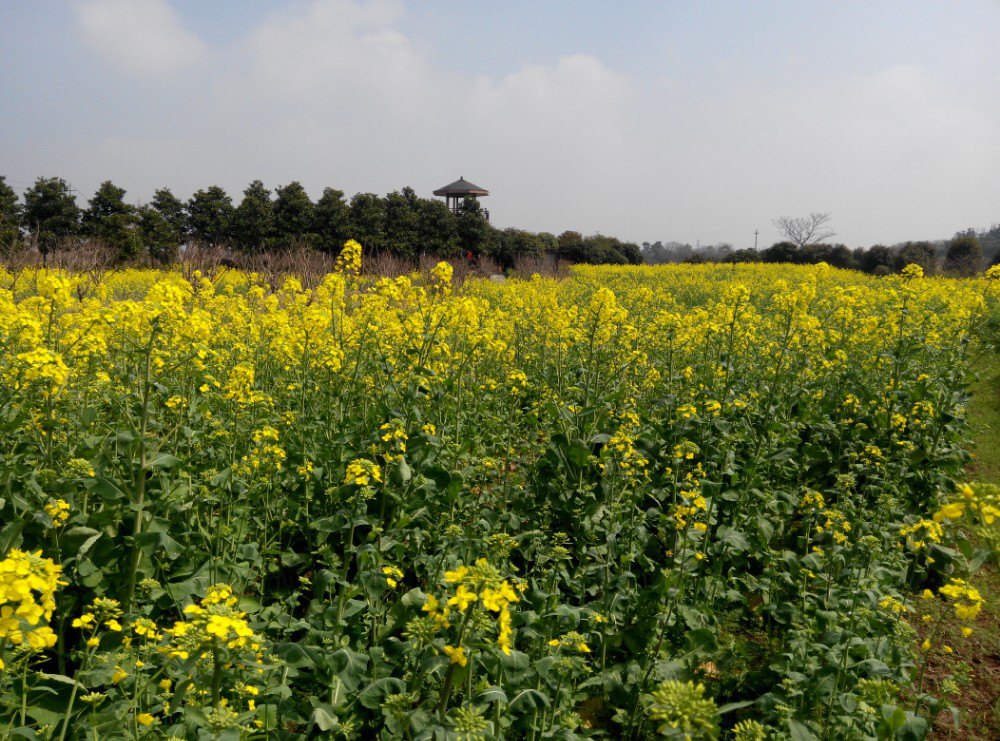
[[973, 671]]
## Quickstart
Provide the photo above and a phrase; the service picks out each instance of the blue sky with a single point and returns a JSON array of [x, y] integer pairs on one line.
[[648, 120]]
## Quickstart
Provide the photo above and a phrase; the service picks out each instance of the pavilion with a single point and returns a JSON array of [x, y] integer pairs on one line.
[[457, 192]]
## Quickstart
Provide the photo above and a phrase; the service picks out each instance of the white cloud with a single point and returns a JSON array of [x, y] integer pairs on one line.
[[333, 50], [557, 139], [340, 96], [141, 36]]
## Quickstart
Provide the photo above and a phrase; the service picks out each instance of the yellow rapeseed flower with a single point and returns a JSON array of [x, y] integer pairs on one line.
[[457, 655]]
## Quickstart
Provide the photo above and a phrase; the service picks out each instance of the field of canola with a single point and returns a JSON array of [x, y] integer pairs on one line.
[[692, 501]]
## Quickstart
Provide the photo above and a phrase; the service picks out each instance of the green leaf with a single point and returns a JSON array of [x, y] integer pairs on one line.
[[150, 542], [528, 699], [61, 678], [979, 557], [10, 534], [107, 490], [324, 717], [163, 460], [293, 655], [492, 694], [373, 695], [782, 455], [914, 729], [734, 539], [21, 732], [701, 640], [44, 717], [86, 545], [404, 470], [350, 666], [800, 732]]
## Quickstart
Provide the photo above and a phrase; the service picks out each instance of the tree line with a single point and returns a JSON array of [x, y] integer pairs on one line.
[[48, 218], [967, 252]]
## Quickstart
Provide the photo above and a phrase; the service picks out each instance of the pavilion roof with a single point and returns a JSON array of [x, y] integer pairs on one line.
[[461, 187]]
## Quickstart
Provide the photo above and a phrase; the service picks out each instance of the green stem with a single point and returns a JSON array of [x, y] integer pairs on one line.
[[72, 696], [216, 674], [140, 484]]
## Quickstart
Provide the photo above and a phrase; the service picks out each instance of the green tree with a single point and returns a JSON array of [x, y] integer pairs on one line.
[[158, 234], [332, 221], [601, 250], [10, 209], [513, 244], [368, 221], [108, 201], [781, 252], [294, 216], [121, 232], [878, 260], [917, 253], [571, 246], [475, 234], [965, 255], [210, 213], [746, 254], [172, 209], [632, 252], [548, 241], [253, 223], [989, 240], [402, 223], [10, 219], [437, 228], [50, 213]]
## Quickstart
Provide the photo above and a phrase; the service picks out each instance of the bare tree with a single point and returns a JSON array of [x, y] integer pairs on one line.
[[805, 230]]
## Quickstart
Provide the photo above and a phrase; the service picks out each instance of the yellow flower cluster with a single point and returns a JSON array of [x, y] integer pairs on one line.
[[836, 524], [683, 512], [238, 387], [441, 274], [363, 472], [103, 613], [349, 260], [43, 366], [392, 576], [620, 455], [573, 640], [920, 533], [630, 362], [965, 598], [892, 604], [394, 435], [265, 457], [980, 503], [812, 499], [28, 584], [212, 622], [479, 584], [58, 510]]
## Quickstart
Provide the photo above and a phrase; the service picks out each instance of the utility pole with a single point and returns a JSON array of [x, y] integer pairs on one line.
[[755, 239]]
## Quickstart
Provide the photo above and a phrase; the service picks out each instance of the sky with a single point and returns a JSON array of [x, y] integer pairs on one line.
[[699, 121]]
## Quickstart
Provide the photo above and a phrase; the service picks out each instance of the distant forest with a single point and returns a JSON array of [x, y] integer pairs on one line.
[[48, 218], [969, 251]]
